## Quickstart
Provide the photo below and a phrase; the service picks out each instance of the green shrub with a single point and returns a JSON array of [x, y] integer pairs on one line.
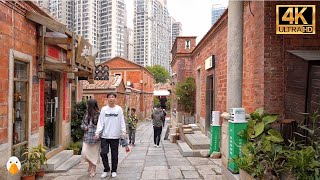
[[185, 92], [79, 110], [76, 147]]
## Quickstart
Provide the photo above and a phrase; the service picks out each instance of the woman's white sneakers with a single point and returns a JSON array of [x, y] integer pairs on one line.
[[114, 174]]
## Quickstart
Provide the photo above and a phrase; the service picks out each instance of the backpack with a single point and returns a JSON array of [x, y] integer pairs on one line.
[[157, 116]]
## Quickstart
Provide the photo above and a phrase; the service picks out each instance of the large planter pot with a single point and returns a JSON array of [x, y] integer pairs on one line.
[[28, 177], [245, 176], [40, 173]]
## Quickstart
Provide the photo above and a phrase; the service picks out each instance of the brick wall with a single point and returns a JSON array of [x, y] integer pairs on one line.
[[135, 73], [16, 32], [277, 57], [253, 57], [215, 44]]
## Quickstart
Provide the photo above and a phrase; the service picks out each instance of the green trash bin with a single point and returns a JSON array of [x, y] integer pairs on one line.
[[235, 142], [215, 138]]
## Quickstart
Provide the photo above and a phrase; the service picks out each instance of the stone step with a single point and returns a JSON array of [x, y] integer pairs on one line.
[[71, 162], [58, 159], [184, 149], [197, 140]]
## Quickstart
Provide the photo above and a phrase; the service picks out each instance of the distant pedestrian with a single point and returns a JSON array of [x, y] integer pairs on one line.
[[111, 126], [164, 116], [91, 146], [157, 120], [132, 124]]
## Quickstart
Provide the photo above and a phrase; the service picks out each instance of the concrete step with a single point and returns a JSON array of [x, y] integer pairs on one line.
[[58, 159], [184, 149], [197, 140], [71, 162]]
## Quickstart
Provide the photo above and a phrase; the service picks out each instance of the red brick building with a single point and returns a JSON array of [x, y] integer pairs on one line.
[[37, 84], [138, 81], [279, 71], [126, 96]]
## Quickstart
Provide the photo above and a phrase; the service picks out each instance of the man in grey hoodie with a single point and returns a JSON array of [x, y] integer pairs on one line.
[[157, 117]]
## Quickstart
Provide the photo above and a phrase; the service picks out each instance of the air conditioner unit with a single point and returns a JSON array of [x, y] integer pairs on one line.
[[128, 83]]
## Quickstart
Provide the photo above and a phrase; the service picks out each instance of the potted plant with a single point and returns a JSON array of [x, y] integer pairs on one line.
[[30, 164], [263, 154], [303, 157], [185, 93], [42, 160]]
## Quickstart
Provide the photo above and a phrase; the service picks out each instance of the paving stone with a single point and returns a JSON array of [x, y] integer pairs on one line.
[[145, 161], [151, 174], [175, 174], [199, 161], [162, 174], [212, 177], [190, 174], [184, 168], [216, 161], [68, 177], [126, 176], [154, 168], [203, 172]]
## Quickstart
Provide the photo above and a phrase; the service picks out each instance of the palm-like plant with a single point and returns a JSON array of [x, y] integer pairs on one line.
[[30, 164]]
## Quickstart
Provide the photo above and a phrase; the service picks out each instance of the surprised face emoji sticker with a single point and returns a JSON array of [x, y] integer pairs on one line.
[[13, 165]]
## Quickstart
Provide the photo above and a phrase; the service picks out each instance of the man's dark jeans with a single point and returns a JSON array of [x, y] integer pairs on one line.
[[157, 134], [114, 145]]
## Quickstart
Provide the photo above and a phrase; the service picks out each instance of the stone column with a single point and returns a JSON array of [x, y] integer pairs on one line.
[[234, 54], [234, 71]]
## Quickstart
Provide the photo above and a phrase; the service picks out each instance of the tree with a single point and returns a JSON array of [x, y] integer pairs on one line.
[[185, 92], [77, 115], [156, 102], [160, 73]]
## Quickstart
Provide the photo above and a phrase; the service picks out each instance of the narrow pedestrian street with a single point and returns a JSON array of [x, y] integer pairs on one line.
[[145, 161]]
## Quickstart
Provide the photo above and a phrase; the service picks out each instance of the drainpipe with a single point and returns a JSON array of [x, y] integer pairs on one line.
[[234, 71]]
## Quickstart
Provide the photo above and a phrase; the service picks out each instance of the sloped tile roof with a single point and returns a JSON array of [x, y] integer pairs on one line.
[[112, 83]]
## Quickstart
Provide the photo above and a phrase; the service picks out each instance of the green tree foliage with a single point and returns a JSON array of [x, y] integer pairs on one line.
[[168, 104], [185, 92], [78, 112], [156, 102], [160, 73]]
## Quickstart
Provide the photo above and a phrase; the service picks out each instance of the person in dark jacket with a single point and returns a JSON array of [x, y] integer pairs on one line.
[[157, 121]]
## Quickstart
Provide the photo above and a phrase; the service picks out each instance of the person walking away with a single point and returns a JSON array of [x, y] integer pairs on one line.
[[157, 117], [110, 127], [164, 116], [132, 124], [91, 146]]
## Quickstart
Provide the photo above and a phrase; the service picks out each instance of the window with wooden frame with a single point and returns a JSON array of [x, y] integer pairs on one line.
[[20, 108]]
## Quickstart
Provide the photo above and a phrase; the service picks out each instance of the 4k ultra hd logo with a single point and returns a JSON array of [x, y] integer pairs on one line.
[[296, 19]]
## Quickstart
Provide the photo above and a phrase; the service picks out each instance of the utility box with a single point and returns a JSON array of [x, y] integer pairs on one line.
[[237, 123], [215, 138]]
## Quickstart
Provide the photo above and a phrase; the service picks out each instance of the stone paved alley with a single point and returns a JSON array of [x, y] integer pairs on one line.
[[148, 162]]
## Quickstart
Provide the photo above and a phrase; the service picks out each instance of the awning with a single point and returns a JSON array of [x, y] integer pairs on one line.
[[309, 55], [161, 93]]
